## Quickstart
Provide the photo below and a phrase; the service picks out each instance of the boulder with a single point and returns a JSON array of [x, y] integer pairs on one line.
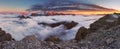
[[2, 32], [81, 34], [5, 36], [1, 47]]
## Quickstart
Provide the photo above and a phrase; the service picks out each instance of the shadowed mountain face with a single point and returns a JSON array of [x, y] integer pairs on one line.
[[62, 5]]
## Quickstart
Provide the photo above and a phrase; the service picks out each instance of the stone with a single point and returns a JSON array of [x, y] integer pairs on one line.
[[109, 41], [5, 36], [1, 46], [52, 39], [81, 34], [2, 32]]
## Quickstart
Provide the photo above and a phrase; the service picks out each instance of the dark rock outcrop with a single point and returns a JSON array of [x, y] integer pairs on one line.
[[23, 17], [81, 34], [5, 36], [1, 47], [68, 25], [2, 32]]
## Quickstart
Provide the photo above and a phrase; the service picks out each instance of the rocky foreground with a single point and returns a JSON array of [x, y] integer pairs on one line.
[[102, 34]]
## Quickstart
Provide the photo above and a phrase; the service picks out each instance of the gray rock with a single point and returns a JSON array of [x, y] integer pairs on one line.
[[109, 41], [81, 34], [30, 42], [5, 36]]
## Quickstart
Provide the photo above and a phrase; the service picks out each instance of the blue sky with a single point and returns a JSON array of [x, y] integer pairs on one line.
[[18, 3], [25, 4]]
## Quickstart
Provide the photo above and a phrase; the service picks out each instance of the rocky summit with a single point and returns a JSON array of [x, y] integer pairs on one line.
[[106, 22]]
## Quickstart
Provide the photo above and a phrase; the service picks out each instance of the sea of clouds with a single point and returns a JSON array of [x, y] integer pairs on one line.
[[20, 28]]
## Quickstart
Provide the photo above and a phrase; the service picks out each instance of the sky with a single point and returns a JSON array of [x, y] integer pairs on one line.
[[22, 5]]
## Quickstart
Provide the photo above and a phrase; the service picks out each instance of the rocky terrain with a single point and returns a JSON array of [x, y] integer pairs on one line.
[[102, 34]]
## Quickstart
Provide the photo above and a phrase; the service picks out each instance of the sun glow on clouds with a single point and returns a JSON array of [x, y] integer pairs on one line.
[[85, 12]]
